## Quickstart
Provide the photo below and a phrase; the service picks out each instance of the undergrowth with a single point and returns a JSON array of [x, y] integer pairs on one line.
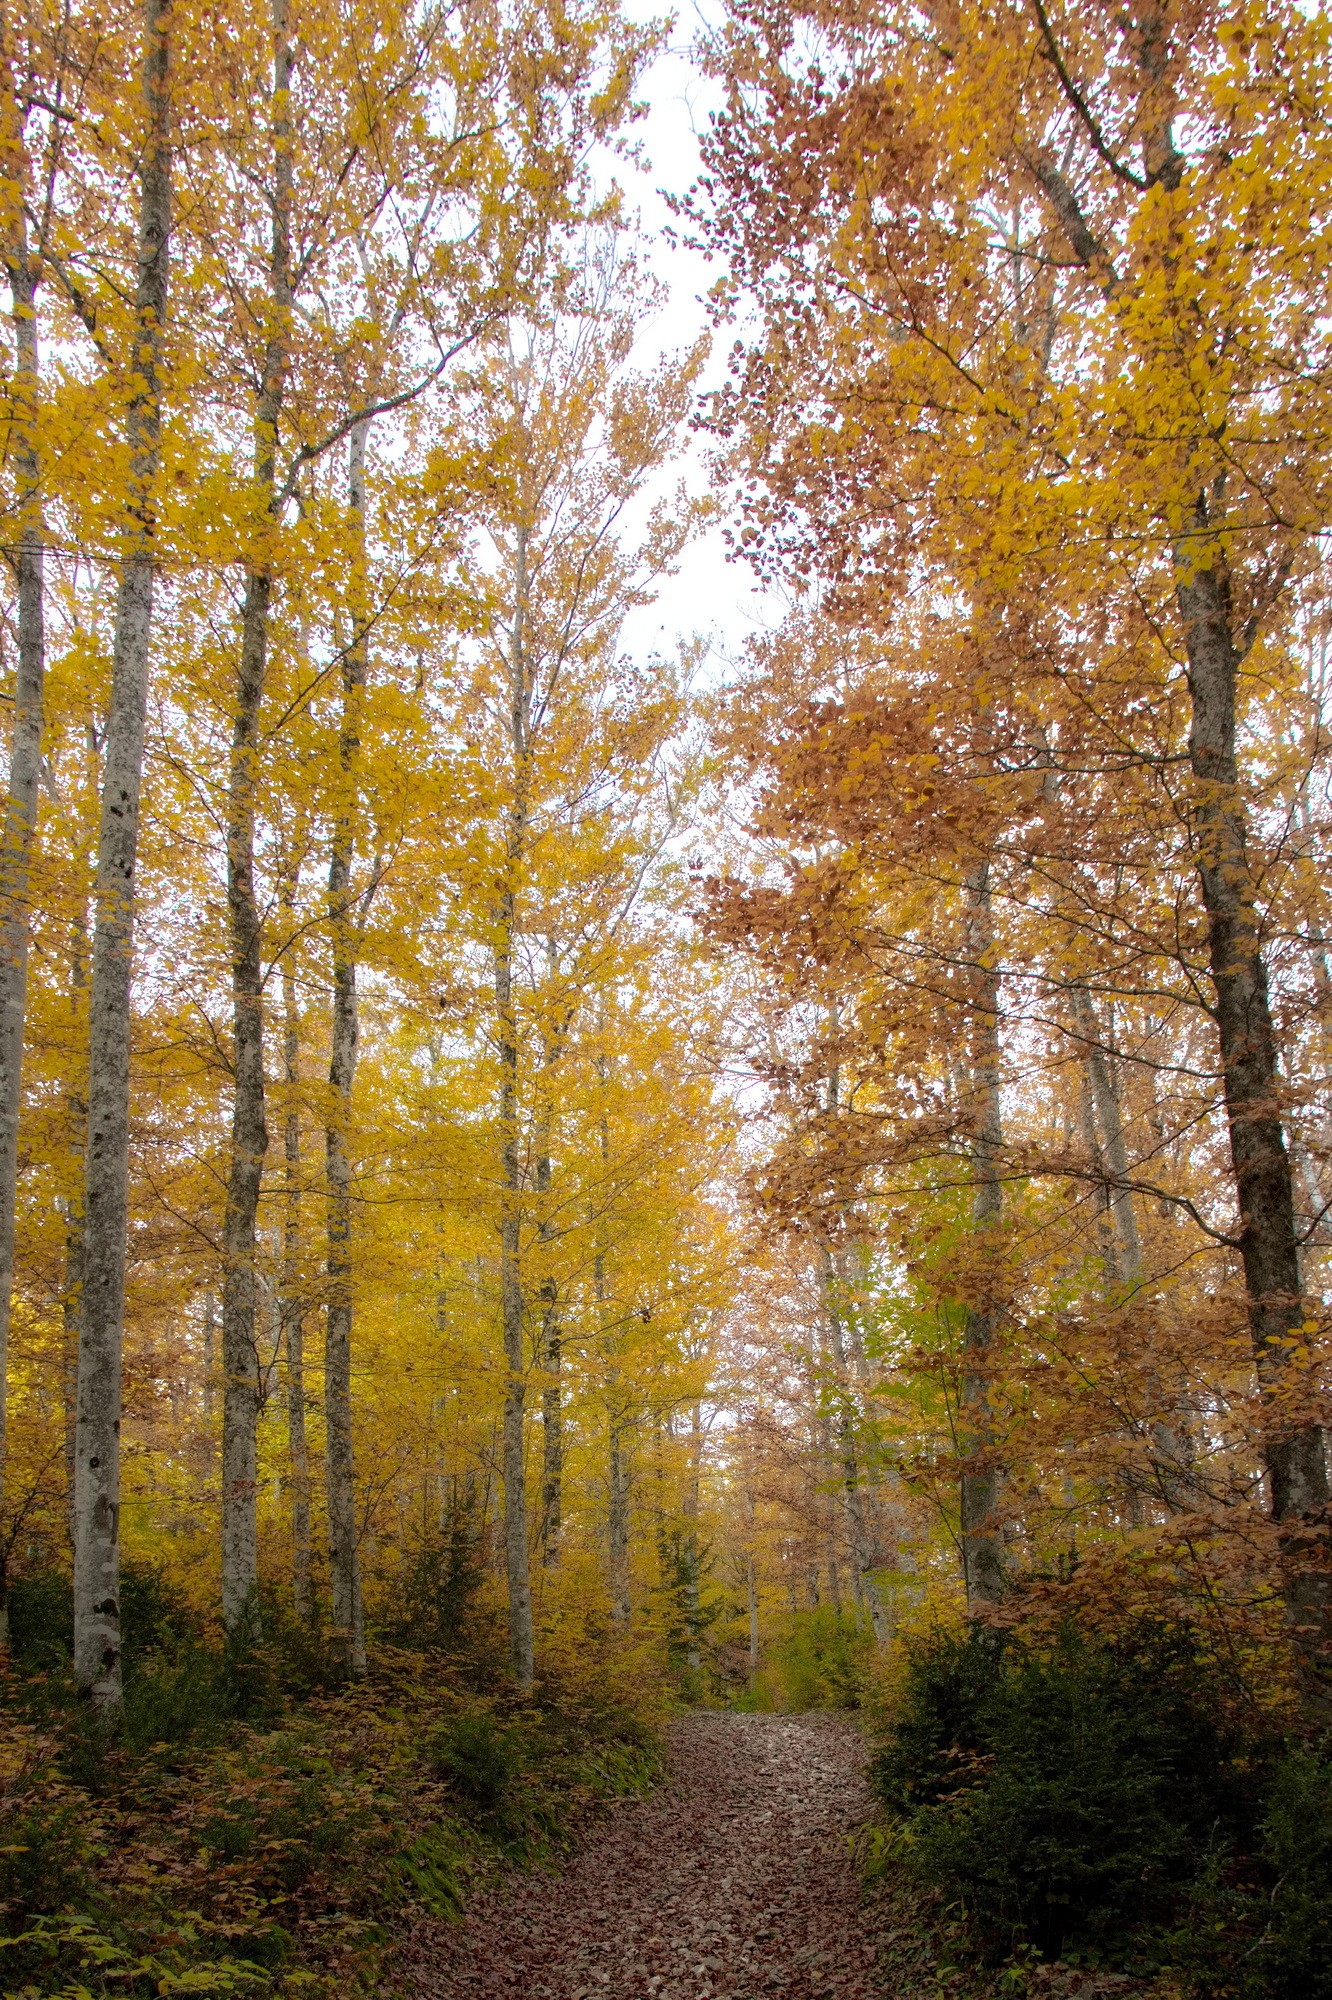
[[1112, 1805], [257, 1826], [823, 1662]]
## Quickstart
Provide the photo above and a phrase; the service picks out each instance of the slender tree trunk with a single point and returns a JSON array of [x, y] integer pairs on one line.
[[859, 1522], [618, 1495], [209, 1360], [552, 1413], [982, 1545], [552, 1428], [693, 1554], [71, 1290], [521, 1644], [1105, 1099], [25, 744], [1109, 1242], [71, 1315], [340, 1468], [1171, 1452], [851, 1267], [1295, 1455], [856, 1500], [291, 1309], [516, 1552], [249, 1141], [617, 1469], [249, 1129], [97, 1665], [751, 1592]]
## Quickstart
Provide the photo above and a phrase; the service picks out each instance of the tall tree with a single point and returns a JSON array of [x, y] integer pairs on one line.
[[1106, 159], [249, 1130], [346, 915], [97, 1663], [25, 746]]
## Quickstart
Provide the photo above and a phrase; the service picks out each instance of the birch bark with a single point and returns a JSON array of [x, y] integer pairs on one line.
[[552, 1332], [249, 1130], [552, 1412], [25, 744], [97, 1663], [344, 923], [693, 1555], [516, 1553], [517, 1564], [291, 1309]]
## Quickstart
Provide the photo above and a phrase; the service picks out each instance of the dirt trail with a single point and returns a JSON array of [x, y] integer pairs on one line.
[[732, 1882]]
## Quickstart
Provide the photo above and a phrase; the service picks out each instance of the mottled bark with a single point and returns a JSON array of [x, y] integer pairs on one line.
[[619, 1482], [71, 1315], [552, 1428], [982, 1542], [71, 1288], [97, 1663], [249, 1137], [25, 743], [249, 1128], [291, 1307], [517, 1565], [552, 1411], [1294, 1450], [345, 925]]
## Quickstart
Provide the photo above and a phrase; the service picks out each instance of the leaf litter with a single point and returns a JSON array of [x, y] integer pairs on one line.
[[734, 1881]]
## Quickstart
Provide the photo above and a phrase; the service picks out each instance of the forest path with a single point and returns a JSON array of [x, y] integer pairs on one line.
[[732, 1882]]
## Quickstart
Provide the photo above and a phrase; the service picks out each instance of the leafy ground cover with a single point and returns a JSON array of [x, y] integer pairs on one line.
[[734, 1880], [255, 1829], [1114, 1806]]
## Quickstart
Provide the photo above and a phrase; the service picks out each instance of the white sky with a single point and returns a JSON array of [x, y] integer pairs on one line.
[[709, 595]]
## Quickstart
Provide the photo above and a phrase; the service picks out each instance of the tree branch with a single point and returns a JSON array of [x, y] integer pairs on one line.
[[1081, 106]]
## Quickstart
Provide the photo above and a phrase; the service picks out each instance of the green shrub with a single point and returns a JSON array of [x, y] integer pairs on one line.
[[479, 1758], [433, 1605], [41, 1621], [155, 1615], [1296, 1852], [1067, 1799], [824, 1662], [44, 1858]]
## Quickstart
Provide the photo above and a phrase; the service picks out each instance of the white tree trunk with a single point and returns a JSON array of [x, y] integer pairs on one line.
[[517, 1564], [339, 1461], [291, 1308], [97, 1663], [242, 1392], [25, 751]]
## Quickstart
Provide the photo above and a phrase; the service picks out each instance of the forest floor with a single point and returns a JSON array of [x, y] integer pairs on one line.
[[735, 1880]]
